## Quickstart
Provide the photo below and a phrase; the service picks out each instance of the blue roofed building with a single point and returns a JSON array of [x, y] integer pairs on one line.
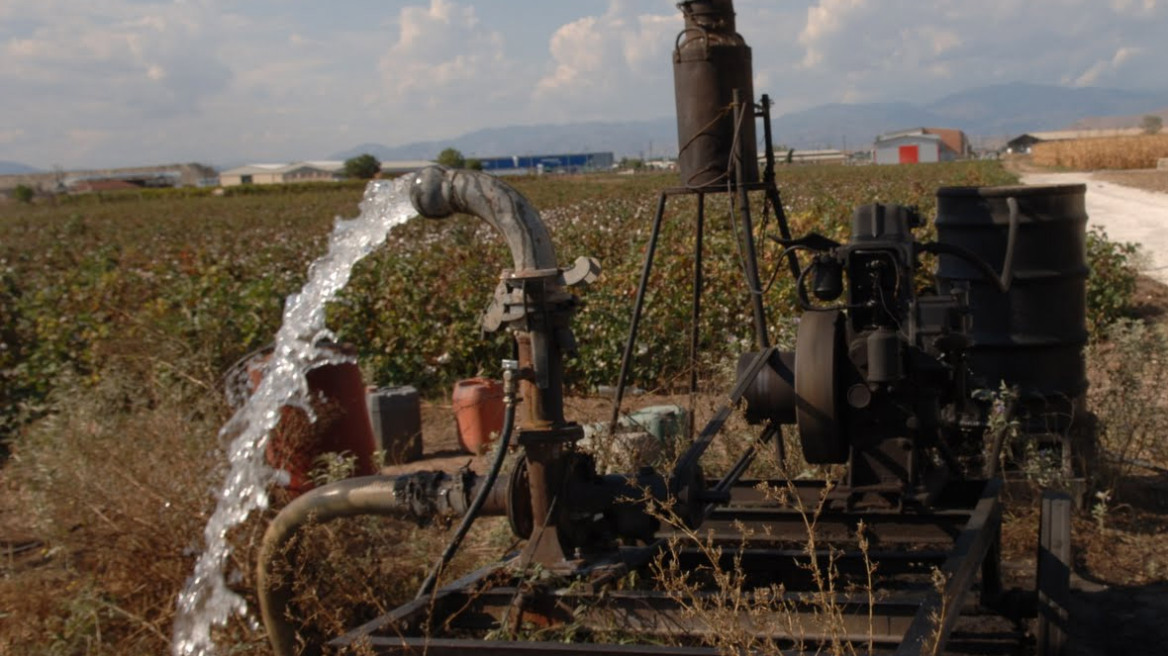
[[539, 164]]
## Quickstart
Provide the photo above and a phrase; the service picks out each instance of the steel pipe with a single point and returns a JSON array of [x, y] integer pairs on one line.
[[439, 192]]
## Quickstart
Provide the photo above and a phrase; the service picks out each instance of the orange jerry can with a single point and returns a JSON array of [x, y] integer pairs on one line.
[[478, 411]]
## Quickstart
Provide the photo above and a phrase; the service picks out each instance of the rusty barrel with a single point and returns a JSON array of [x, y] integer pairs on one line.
[[1031, 337], [342, 422]]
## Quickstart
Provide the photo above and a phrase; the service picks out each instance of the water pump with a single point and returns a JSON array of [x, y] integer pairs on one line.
[[877, 380]]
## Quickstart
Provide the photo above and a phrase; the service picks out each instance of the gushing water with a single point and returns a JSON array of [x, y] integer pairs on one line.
[[206, 601]]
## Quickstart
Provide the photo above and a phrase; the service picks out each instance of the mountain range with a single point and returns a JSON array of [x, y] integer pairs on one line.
[[16, 168], [989, 115]]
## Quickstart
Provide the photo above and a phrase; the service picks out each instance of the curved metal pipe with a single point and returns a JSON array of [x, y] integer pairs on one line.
[[439, 192], [422, 495], [541, 325]]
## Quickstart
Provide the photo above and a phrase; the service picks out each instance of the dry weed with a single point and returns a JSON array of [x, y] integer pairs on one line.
[[744, 613], [1129, 376], [117, 489]]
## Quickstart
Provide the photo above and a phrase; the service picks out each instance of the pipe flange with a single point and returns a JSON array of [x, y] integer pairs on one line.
[[820, 397], [530, 274]]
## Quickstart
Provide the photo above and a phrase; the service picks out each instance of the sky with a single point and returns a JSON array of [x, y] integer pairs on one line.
[[125, 82]]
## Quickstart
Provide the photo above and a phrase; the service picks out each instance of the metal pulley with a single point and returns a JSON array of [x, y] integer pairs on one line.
[[820, 401], [807, 387]]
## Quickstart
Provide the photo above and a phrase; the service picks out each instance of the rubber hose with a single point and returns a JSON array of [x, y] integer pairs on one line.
[[366, 495], [941, 248]]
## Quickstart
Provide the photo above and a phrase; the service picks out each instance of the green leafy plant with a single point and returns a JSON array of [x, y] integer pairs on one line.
[[362, 167], [1112, 282], [23, 193]]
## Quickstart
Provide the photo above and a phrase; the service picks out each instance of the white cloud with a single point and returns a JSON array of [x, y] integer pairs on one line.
[[824, 20], [908, 49], [1102, 69], [615, 60], [144, 55], [150, 80], [10, 136], [440, 50], [1134, 6], [126, 80]]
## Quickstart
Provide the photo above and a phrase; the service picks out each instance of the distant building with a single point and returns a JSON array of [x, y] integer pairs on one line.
[[538, 164], [404, 166], [319, 171], [166, 175], [921, 145], [89, 186], [1024, 142], [661, 164]]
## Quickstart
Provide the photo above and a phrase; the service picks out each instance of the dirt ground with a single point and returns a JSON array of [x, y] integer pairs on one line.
[[1146, 179], [1128, 211]]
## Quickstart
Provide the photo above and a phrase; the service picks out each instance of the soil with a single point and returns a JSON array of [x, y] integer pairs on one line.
[[1146, 179]]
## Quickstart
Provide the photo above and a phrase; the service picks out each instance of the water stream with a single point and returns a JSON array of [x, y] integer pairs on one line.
[[206, 601]]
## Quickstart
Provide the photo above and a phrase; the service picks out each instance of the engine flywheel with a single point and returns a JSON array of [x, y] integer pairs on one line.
[[819, 388]]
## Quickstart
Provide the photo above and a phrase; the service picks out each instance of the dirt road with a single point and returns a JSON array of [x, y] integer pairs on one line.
[[1128, 215]]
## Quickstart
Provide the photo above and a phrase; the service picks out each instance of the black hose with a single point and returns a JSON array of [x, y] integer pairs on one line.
[[987, 271], [476, 505], [1001, 281]]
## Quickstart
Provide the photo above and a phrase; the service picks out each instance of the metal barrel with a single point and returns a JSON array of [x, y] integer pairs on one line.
[[710, 62], [1033, 335]]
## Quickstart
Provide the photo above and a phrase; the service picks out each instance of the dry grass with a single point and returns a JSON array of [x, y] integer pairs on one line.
[[745, 614], [1129, 376], [118, 528], [118, 501], [1114, 153]]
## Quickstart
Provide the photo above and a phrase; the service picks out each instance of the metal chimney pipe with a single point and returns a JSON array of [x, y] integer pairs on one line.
[[711, 61]]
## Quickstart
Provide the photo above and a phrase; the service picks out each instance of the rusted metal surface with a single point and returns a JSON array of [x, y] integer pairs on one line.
[[939, 613], [819, 351], [909, 612], [575, 519], [1032, 336], [710, 62]]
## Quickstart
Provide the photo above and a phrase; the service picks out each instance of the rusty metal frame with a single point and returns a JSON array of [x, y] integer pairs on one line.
[[951, 545]]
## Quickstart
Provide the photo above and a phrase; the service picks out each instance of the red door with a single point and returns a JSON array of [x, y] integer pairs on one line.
[[910, 154]]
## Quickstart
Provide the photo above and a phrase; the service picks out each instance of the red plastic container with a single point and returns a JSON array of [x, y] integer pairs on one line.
[[478, 411], [341, 426]]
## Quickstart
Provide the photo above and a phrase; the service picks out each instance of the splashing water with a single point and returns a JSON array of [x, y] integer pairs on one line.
[[206, 601]]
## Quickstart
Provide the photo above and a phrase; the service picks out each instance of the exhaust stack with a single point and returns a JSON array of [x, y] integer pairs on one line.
[[710, 62]]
